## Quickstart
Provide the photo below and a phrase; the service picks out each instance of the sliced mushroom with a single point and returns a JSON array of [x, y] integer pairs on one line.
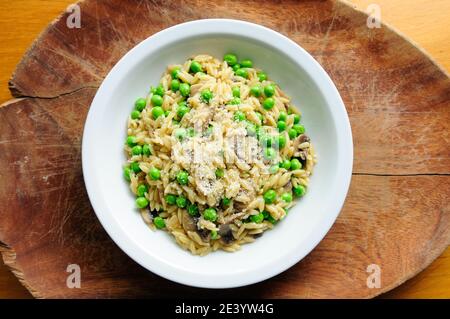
[[298, 151], [239, 206], [303, 138], [189, 222], [226, 233], [205, 234]]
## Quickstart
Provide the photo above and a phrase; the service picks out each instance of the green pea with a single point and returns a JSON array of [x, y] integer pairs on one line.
[[195, 67], [166, 113], [257, 218], [182, 110], [268, 103], [181, 201], [230, 58], [159, 222], [239, 116], [269, 90], [292, 133], [214, 234], [180, 133], [135, 114], [182, 103], [235, 101], [141, 202], [262, 76], [174, 73], [256, 90], [282, 116], [270, 153], [206, 95], [131, 141], [281, 141], [286, 164], [159, 90], [287, 197], [281, 126], [141, 190], [270, 196], [296, 118], [236, 91], [146, 150], [210, 214], [220, 173], [295, 164], [126, 173], [135, 167], [185, 89], [299, 190], [300, 129], [171, 199], [246, 63], [182, 178], [154, 173], [136, 150], [192, 210], [157, 111], [157, 100], [242, 73], [140, 104], [274, 168], [226, 201], [236, 67], [175, 85]]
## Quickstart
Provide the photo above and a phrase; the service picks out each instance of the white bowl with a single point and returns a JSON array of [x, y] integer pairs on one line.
[[323, 114]]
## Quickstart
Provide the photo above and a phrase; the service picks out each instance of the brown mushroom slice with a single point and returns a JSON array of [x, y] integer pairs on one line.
[[189, 223], [303, 138], [205, 234], [226, 234], [299, 140]]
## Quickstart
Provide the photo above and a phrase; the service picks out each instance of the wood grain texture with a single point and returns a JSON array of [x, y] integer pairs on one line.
[[400, 222]]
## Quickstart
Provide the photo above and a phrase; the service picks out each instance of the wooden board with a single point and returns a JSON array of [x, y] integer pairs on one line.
[[397, 213]]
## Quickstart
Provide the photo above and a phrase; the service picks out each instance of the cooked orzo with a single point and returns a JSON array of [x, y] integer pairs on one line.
[[216, 154]]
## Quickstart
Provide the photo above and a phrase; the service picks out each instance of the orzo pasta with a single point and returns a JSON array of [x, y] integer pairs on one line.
[[216, 154]]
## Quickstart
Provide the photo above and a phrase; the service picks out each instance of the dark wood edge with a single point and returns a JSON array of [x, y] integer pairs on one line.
[[9, 259]]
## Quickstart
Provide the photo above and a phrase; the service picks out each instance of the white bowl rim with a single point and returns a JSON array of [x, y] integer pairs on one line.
[[324, 84]]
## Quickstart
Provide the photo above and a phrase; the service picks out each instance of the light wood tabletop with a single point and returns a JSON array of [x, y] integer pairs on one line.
[[425, 22]]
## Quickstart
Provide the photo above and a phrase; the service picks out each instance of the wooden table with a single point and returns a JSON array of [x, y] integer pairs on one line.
[[424, 21]]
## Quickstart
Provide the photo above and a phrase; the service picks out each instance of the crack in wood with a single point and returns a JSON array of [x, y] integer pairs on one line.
[[19, 96]]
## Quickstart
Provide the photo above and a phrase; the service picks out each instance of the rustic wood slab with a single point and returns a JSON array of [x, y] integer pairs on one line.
[[397, 213]]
